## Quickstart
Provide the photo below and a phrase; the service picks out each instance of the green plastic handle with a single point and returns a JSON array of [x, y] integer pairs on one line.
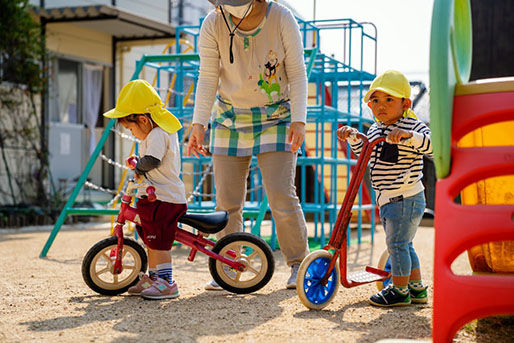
[[450, 64]]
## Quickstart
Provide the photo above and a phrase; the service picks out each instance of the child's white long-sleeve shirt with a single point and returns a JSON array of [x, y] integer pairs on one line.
[[268, 65]]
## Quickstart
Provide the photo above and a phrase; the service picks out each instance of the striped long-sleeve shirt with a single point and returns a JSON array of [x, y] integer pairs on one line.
[[394, 175]]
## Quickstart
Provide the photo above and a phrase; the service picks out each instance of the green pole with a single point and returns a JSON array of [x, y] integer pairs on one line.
[[450, 64], [78, 187]]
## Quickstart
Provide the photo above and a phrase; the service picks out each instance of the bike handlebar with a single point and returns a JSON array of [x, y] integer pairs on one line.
[[132, 161], [150, 192]]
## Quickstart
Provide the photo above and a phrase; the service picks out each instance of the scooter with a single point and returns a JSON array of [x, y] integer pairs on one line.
[[319, 276]]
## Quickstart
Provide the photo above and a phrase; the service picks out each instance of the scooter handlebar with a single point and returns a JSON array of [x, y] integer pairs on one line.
[[356, 135], [402, 141]]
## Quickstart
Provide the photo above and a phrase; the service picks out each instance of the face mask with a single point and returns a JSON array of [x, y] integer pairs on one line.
[[238, 11]]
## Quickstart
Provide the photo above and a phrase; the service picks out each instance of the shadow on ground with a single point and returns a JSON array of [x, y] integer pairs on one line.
[[183, 319], [389, 323]]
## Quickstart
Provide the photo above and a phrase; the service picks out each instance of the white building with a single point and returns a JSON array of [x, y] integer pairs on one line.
[[93, 47]]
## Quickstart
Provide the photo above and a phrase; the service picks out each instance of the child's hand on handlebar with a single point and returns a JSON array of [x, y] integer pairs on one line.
[[396, 136], [346, 131], [131, 162]]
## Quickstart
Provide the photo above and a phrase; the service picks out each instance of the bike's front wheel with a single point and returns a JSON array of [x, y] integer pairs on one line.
[[253, 252], [98, 266], [312, 293]]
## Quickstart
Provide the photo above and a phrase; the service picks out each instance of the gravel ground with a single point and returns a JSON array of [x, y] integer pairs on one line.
[[46, 300]]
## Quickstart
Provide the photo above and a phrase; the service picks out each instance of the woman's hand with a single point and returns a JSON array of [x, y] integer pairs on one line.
[[397, 135], [296, 135], [194, 146]]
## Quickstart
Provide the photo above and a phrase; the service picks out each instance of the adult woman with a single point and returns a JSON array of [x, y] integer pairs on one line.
[[251, 54]]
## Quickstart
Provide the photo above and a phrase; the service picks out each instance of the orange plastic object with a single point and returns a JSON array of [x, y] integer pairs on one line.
[[490, 257], [459, 299]]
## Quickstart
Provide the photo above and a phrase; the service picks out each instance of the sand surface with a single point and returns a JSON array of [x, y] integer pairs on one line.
[[46, 300]]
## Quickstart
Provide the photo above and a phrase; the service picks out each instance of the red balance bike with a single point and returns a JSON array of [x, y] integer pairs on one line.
[[239, 262], [319, 276]]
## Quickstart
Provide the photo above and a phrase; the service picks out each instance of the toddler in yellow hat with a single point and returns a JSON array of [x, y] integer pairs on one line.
[[396, 174], [140, 110]]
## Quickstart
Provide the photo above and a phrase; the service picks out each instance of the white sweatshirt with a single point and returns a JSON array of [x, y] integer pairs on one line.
[[273, 55]]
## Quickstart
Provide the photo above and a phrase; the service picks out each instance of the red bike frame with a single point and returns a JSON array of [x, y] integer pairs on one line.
[[197, 242]]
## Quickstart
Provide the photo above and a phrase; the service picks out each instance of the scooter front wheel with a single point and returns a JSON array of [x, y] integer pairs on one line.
[[384, 263], [312, 293], [98, 266]]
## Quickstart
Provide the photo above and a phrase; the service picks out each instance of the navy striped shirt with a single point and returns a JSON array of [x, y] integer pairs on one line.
[[390, 176]]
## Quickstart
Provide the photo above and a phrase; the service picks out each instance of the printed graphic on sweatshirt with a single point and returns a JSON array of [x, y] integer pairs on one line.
[[268, 82]]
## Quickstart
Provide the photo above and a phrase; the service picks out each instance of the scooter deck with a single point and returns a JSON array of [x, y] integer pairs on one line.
[[369, 275]]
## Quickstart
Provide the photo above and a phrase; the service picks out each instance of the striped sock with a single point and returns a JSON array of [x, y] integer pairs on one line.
[[402, 290], [416, 285], [164, 271], [152, 272]]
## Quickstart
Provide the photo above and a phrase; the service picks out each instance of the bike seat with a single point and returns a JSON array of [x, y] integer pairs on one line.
[[210, 222]]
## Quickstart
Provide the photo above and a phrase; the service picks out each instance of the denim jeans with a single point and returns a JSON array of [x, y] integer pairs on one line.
[[400, 220]]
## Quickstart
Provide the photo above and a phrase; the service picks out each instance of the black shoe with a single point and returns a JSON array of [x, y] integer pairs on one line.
[[389, 297]]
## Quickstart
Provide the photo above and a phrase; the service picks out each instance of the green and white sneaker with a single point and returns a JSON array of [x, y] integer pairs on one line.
[[418, 296], [389, 297]]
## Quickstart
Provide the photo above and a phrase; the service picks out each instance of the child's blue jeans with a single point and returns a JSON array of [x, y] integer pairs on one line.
[[400, 220]]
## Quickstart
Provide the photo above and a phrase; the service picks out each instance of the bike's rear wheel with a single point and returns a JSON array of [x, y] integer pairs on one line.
[[250, 250], [98, 266], [312, 293], [384, 263]]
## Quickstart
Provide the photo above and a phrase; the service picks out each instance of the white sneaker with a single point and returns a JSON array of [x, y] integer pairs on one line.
[[291, 282], [213, 286]]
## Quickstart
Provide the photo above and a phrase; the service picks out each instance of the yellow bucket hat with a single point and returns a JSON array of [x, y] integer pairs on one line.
[[391, 82], [138, 96]]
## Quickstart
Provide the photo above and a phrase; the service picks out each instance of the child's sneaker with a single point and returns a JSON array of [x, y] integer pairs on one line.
[[418, 296], [389, 297], [213, 286], [143, 283], [161, 289]]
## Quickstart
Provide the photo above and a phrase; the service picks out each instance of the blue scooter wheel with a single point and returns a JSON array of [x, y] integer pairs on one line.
[[311, 292], [384, 263]]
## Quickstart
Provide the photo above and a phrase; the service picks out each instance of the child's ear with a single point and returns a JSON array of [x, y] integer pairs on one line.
[[407, 103], [143, 120]]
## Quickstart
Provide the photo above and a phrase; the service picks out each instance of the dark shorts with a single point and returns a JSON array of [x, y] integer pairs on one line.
[[158, 222]]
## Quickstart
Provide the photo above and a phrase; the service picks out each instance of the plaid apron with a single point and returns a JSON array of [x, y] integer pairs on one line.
[[247, 132]]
